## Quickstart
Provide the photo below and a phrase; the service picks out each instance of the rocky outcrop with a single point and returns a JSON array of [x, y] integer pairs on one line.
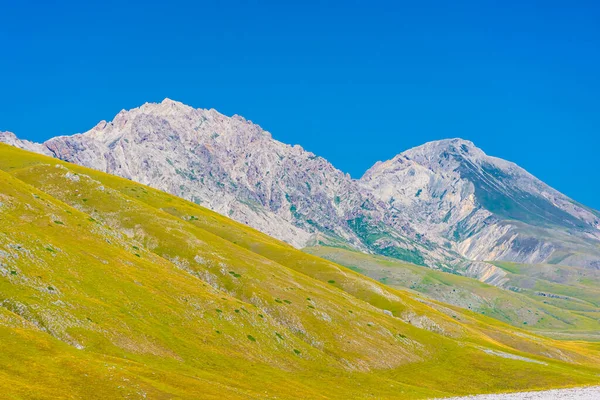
[[487, 273], [13, 140]]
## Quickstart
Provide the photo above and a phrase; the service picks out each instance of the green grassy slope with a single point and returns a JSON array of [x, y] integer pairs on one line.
[[566, 307], [576, 290], [110, 289]]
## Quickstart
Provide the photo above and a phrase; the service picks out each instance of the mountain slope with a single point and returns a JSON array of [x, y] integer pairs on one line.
[[484, 207], [563, 302], [112, 289]]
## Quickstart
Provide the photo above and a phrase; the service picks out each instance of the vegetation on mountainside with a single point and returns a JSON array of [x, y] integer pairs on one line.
[[136, 293], [555, 300]]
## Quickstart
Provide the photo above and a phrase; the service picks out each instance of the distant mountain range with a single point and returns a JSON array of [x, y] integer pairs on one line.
[[445, 204]]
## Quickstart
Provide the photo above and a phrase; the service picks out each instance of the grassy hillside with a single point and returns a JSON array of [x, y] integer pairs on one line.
[[110, 289], [576, 290], [556, 300]]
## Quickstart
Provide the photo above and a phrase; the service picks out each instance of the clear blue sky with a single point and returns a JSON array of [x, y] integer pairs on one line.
[[353, 81]]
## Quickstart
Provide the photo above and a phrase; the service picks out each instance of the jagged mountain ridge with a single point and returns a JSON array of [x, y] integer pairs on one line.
[[234, 167], [397, 209], [227, 164]]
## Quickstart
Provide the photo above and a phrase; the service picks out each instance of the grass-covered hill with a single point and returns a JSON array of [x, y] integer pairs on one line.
[[551, 299], [110, 289]]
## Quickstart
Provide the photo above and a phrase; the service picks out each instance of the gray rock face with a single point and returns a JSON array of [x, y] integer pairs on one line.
[[442, 204], [488, 208], [11, 138]]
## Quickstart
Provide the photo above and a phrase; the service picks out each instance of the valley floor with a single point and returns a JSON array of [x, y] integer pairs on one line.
[[588, 393]]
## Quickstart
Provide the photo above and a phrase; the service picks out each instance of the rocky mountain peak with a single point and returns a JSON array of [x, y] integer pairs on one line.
[[454, 145], [439, 155], [447, 154], [8, 137], [171, 120], [168, 107], [172, 103]]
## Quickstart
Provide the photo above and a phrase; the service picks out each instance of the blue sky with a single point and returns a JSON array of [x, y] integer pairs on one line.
[[353, 81]]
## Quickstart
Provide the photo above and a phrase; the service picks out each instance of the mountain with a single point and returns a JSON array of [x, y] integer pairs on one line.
[[229, 165], [445, 204], [488, 208], [234, 167], [112, 289]]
